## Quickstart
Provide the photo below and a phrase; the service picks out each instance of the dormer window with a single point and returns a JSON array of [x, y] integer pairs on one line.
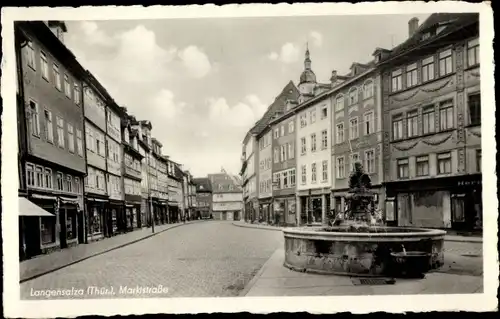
[[426, 36]]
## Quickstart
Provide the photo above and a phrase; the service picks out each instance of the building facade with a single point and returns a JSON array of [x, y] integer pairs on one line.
[[265, 191], [203, 197], [249, 174], [143, 129], [432, 124], [53, 161], [227, 196]]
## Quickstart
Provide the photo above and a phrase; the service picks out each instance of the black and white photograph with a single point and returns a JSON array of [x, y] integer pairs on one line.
[[178, 159]]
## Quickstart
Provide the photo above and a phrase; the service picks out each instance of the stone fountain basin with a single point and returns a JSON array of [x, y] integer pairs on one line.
[[372, 251]]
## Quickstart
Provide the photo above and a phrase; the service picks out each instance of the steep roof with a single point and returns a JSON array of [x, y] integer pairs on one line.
[[224, 183], [203, 184], [289, 92]]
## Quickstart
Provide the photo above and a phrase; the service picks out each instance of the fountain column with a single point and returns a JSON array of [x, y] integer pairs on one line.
[[323, 210]]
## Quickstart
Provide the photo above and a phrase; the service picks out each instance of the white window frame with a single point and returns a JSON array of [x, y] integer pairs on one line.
[[291, 126], [60, 131], [57, 76], [303, 174], [312, 115], [340, 169], [71, 138], [412, 124], [369, 169], [422, 159], [353, 96], [397, 118], [79, 142], [396, 80], [353, 128], [369, 122], [291, 150], [313, 142], [49, 126], [314, 172], [44, 65], [353, 159], [403, 162], [444, 156], [324, 112], [34, 118], [445, 57], [47, 178], [411, 75], [67, 86], [340, 136], [368, 93], [427, 69], [447, 106], [324, 139], [276, 133], [324, 166], [30, 175], [473, 46], [60, 178], [282, 130], [303, 146], [30, 52], [339, 102], [428, 121]]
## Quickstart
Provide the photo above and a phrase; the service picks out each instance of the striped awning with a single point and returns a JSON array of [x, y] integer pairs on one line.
[[27, 208]]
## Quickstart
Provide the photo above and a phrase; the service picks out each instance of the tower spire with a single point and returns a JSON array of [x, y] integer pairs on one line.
[[307, 60]]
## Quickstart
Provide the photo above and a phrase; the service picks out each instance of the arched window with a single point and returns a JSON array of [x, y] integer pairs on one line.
[[339, 102], [368, 89], [353, 96]]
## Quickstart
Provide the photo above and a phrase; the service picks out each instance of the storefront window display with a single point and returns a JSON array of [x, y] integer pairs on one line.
[[70, 224], [134, 217], [96, 226], [114, 220], [48, 227], [129, 217]]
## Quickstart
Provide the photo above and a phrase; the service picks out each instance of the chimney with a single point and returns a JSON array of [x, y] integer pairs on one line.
[[412, 26], [333, 78]]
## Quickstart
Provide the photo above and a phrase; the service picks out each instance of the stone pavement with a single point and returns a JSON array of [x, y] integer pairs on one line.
[[276, 280], [43, 264], [455, 238]]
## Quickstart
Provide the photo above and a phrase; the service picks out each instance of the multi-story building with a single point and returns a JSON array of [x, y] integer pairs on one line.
[[53, 157], [131, 172], [432, 124], [95, 98], [356, 131], [191, 196], [156, 163], [143, 129], [313, 151], [284, 165], [203, 197], [249, 174], [162, 188], [265, 191], [227, 196]]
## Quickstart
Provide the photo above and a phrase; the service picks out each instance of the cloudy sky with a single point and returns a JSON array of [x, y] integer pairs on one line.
[[204, 82]]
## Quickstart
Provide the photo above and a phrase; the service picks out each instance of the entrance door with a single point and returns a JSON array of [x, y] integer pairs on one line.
[[404, 210], [81, 227], [62, 223], [229, 215]]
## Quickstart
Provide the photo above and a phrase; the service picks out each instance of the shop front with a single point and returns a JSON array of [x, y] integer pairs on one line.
[[173, 212], [265, 211], [314, 206], [96, 212], [133, 212], [70, 219], [116, 219], [448, 203], [285, 210]]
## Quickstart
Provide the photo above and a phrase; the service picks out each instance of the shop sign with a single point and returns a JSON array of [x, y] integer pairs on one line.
[[469, 183]]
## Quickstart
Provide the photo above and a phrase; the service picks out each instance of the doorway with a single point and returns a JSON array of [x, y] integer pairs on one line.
[[62, 223]]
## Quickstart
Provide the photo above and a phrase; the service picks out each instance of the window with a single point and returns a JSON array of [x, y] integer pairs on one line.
[[283, 153], [354, 160], [473, 52], [304, 174], [79, 144], [31, 55], [340, 133], [303, 120], [353, 96], [44, 65], [324, 112], [291, 150], [69, 184], [339, 103], [39, 178], [397, 127], [478, 161], [324, 139], [67, 86], [397, 80], [291, 126], [47, 230], [353, 128], [313, 115], [428, 69], [276, 155], [370, 161], [49, 127], [303, 146], [313, 142], [445, 65], [71, 139], [340, 167], [446, 115], [30, 175], [369, 124], [411, 75], [77, 185], [60, 182], [403, 168], [35, 119], [325, 171], [57, 76], [428, 119], [76, 94], [292, 177], [313, 172], [444, 163], [422, 165], [277, 180], [474, 106], [276, 133], [368, 89], [48, 178], [285, 179], [60, 132], [282, 130], [412, 123]]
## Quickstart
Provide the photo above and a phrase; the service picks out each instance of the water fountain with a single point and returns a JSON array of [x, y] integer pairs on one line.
[[358, 243]]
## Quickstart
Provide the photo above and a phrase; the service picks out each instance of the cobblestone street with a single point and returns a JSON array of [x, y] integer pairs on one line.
[[198, 260]]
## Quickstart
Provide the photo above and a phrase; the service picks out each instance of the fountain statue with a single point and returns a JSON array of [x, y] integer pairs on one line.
[[357, 242]]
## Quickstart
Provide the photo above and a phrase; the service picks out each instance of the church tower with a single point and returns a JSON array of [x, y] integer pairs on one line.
[[307, 81]]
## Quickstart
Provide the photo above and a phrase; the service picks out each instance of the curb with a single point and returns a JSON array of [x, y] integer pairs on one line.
[[473, 240], [101, 252], [257, 276]]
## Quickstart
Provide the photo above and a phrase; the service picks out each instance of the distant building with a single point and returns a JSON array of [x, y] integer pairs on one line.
[[227, 196], [203, 196]]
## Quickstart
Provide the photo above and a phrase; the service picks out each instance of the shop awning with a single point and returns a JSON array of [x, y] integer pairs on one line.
[[27, 208]]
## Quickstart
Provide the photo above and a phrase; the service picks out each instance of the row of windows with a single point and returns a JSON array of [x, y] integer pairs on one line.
[[132, 163], [95, 179], [427, 65], [265, 141], [284, 179], [281, 131], [324, 142], [312, 116], [265, 186], [314, 177], [369, 163], [41, 177], [132, 187], [368, 125], [265, 164], [56, 74], [353, 96], [284, 152], [60, 129]]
